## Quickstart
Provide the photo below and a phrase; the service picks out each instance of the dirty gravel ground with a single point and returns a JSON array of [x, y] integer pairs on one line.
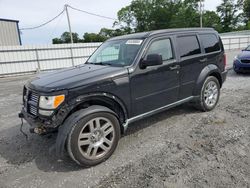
[[181, 147]]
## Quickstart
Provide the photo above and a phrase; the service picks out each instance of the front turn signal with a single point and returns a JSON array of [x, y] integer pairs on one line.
[[58, 100]]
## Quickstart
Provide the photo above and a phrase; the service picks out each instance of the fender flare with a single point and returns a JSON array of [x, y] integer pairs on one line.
[[208, 70], [66, 127], [82, 98]]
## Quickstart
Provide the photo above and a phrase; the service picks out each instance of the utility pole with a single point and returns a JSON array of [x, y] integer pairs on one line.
[[71, 36], [201, 13]]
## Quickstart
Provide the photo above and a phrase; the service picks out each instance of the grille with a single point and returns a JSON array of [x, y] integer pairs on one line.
[[33, 110], [24, 95], [245, 61], [31, 100], [34, 97]]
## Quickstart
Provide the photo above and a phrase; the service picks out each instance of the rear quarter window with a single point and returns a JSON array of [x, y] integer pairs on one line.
[[188, 45], [210, 42]]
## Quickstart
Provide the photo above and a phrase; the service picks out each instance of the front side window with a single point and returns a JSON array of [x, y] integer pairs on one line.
[[116, 53], [188, 45], [210, 42], [161, 47]]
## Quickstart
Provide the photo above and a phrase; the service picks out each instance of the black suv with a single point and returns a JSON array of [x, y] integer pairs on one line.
[[126, 79]]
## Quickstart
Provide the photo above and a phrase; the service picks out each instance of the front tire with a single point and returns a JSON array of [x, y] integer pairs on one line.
[[237, 72], [93, 138], [235, 69], [210, 94]]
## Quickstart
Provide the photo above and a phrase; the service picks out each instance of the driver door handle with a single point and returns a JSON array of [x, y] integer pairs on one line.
[[174, 67]]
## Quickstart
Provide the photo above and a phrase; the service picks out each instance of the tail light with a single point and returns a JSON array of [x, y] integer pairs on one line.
[[225, 60]]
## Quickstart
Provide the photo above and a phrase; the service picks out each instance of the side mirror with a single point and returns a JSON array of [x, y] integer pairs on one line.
[[151, 60]]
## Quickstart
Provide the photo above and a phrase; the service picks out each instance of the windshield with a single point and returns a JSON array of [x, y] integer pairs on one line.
[[116, 53], [248, 48]]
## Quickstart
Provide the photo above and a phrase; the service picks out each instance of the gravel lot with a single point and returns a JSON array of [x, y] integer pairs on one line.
[[181, 147]]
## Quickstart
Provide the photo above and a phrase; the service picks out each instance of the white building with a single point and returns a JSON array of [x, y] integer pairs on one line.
[[9, 33]]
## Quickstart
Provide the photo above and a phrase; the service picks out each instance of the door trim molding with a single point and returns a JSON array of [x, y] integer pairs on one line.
[[156, 93], [141, 116]]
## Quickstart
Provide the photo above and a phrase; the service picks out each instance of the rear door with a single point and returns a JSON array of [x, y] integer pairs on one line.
[[192, 61], [212, 49]]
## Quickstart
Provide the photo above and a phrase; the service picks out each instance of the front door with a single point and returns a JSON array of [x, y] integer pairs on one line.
[[155, 86]]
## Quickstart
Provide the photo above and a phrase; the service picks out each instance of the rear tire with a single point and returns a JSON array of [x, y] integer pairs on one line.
[[210, 94], [93, 138]]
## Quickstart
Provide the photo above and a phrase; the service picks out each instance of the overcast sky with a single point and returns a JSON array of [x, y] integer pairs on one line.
[[34, 12]]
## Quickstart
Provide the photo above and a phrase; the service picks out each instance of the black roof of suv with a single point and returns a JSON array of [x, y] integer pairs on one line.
[[147, 34]]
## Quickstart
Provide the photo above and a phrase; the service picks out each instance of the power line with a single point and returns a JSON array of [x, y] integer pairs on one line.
[[93, 14], [36, 27], [55, 27], [51, 20]]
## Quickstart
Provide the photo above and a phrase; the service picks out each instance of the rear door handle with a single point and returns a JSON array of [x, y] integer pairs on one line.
[[203, 60], [175, 67]]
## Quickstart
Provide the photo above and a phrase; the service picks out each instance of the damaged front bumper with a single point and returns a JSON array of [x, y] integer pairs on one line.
[[42, 125]]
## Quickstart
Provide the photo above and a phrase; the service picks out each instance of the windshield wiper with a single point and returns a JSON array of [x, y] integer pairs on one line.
[[99, 63]]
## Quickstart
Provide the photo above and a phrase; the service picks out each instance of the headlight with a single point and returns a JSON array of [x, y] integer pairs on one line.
[[51, 102], [236, 58]]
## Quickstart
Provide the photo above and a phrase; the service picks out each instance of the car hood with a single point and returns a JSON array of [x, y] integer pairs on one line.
[[74, 77], [244, 55]]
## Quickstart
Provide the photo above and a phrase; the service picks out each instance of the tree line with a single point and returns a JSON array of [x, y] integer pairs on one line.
[[146, 15]]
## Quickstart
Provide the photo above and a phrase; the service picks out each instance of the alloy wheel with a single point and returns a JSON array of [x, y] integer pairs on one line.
[[96, 138], [211, 94]]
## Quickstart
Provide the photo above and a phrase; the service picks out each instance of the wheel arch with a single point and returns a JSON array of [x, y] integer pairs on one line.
[[218, 76], [210, 70], [101, 99]]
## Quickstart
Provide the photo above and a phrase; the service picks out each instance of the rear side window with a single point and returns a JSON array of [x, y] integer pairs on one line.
[[162, 47], [210, 42], [188, 46]]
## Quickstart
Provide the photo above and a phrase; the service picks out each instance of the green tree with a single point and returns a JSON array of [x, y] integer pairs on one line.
[[212, 19], [144, 15], [246, 13], [93, 37], [228, 11], [65, 37], [57, 41], [186, 14], [108, 33], [126, 19]]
